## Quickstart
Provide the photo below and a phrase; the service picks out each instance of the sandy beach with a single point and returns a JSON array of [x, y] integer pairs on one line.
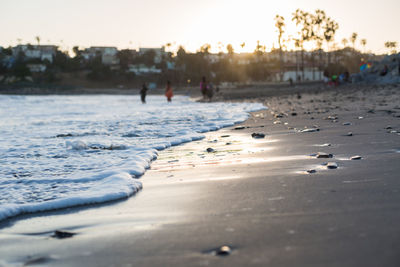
[[316, 185]]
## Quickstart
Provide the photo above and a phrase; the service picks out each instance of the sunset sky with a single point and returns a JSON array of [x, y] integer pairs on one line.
[[191, 23]]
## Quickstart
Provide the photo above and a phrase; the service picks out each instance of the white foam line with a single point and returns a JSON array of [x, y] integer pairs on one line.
[[361, 181]]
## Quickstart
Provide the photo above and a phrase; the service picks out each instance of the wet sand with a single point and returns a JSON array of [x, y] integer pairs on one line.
[[251, 194]]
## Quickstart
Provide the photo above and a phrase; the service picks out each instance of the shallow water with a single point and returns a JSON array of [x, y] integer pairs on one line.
[[62, 151]]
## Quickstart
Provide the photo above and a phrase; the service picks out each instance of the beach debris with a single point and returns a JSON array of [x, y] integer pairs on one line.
[[310, 130], [239, 128], [62, 234], [331, 165], [210, 150], [346, 123], [349, 134], [355, 157], [257, 135], [279, 115], [325, 145], [331, 118], [224, 136], [222, 251], [64, 135], [323, 155], [389, 127], [311, 171], [277, 122]]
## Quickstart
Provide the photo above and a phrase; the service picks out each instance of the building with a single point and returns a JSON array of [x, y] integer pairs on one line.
[[108, 54], [141, 69], [159, 53], [41, 52], [294, 72], [36, 67]]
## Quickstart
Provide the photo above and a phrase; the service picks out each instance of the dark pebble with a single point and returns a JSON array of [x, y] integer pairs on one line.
[[311, 171], [224, 136], [257, 135], [64, 135], [331, 165], [209, 150], [62, 234], [322, 155], [223, 251], [239, 128]]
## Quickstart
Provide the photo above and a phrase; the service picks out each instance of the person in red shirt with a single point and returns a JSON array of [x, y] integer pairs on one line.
[[168, 92]]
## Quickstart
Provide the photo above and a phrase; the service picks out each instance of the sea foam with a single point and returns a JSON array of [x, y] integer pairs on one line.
[[64, 151]]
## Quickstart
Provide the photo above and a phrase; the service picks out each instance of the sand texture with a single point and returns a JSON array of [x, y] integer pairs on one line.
[[320, 188]]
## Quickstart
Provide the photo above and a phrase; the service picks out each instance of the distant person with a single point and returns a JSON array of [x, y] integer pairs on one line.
[[210, 91], [346, 76], [143, 93], [203, 87], [385, 70], [291, 81], [335, 80], [168, 92]]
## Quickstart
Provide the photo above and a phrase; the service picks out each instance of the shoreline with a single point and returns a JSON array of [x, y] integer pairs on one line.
[[253, 195], [224, 94]]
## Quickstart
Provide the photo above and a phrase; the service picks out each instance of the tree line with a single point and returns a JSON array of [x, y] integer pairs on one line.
[[313, 28]]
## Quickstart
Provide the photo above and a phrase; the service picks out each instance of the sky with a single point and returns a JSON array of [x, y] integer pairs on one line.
[[190, 23]]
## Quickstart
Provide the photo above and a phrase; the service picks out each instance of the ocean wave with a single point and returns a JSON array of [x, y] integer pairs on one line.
[[64, 151]]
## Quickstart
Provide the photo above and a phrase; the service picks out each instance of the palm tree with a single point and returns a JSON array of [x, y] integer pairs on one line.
[[305, 20], [297, 44], [353, 39], [280, 25], [318, 19], [205, 48], [37, 38], [344, 42], [330, 29], [391, 46], [363, 43], [230, 49]]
